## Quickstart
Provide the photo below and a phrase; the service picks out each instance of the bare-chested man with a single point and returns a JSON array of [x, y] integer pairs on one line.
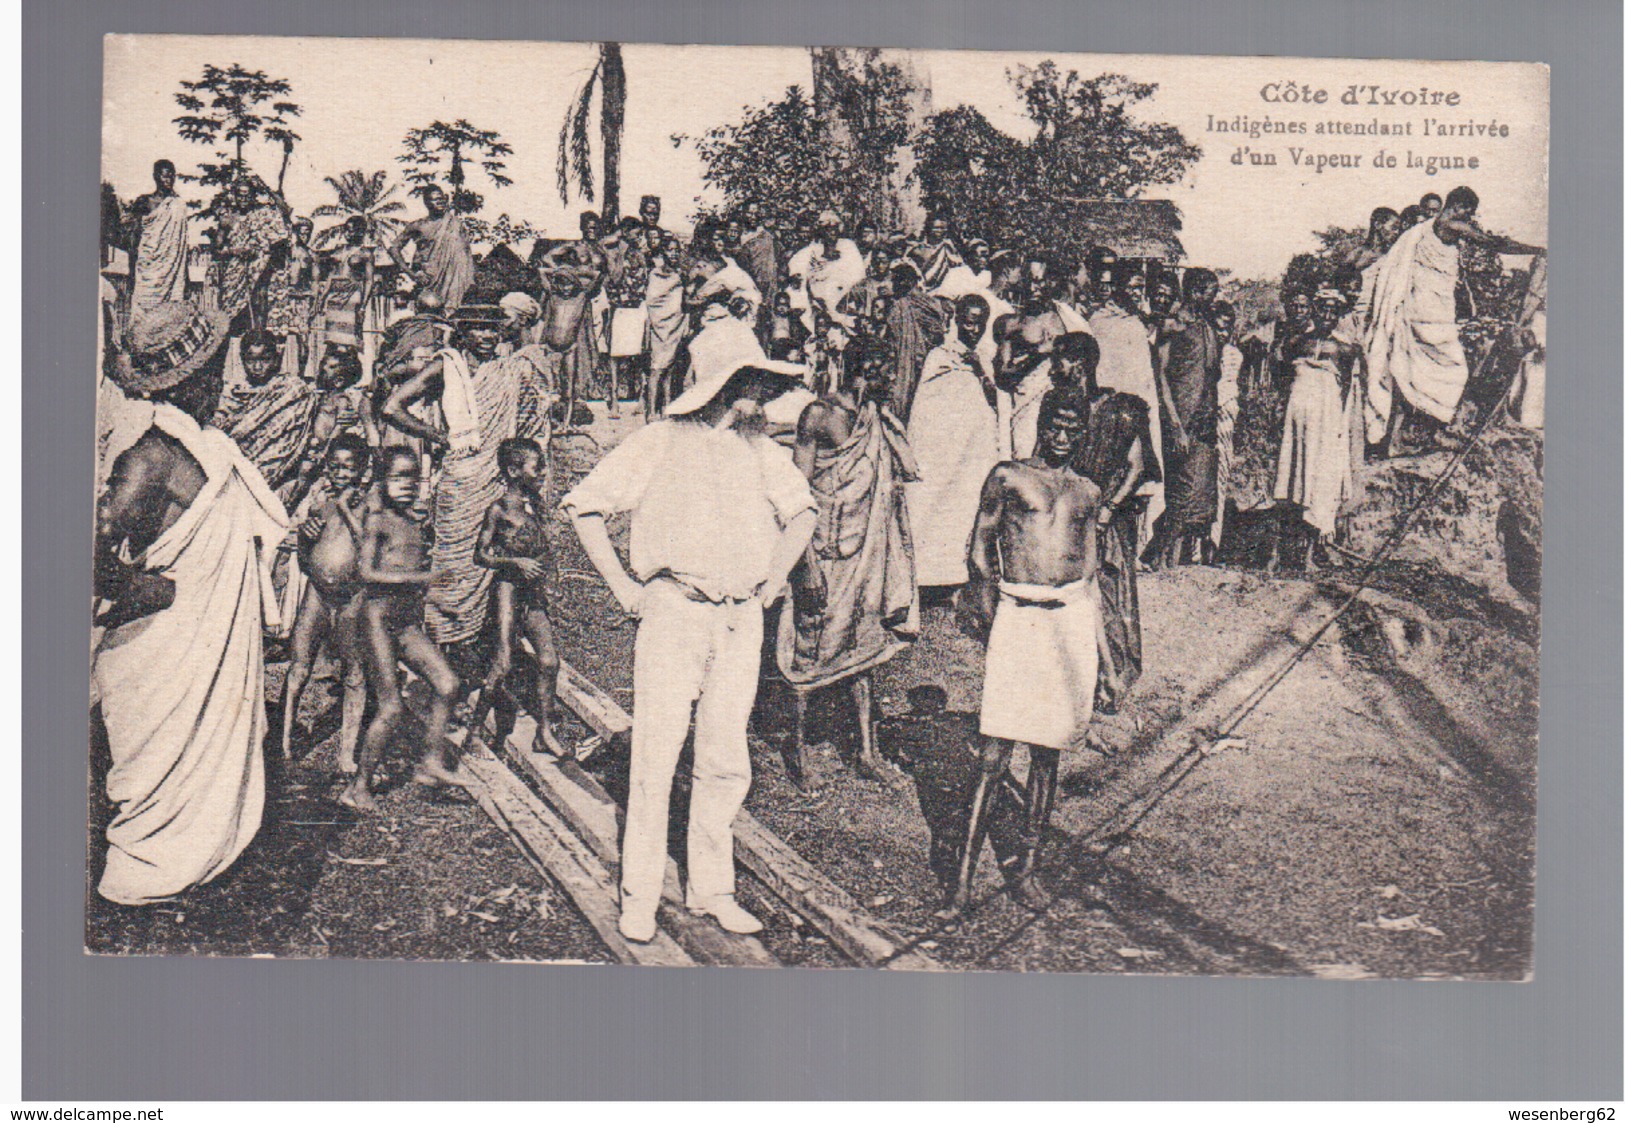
[[1034, 558], [1025, 339]]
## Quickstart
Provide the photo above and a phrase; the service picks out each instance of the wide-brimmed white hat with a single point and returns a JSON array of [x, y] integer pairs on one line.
[[720, 352]]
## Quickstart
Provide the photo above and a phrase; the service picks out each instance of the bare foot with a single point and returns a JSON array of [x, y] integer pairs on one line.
[[806, 783], [357, 798], [433, 773], [1031, 895], [882, 772], [550, 740], [952, 913]]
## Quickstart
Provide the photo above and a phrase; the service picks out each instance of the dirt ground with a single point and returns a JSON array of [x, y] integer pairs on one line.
[[1374, 819]]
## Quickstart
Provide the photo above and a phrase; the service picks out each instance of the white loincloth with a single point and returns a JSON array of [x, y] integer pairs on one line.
[[1043, 660]]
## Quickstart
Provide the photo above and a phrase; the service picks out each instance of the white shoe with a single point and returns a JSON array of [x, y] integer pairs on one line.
[[638, 929], [727, 913]]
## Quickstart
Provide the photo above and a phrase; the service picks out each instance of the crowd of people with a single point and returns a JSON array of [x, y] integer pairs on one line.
[[857, 422]]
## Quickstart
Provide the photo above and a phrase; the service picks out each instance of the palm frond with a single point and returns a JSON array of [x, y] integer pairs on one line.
[[581, 138], [575, 142]]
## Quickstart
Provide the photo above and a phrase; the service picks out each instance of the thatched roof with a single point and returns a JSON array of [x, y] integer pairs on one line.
[[1132, 228]]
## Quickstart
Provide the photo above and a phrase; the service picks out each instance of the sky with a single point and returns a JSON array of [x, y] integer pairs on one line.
[[360, 97]]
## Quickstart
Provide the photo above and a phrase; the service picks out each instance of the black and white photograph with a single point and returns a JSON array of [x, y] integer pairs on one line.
[[821, 507]]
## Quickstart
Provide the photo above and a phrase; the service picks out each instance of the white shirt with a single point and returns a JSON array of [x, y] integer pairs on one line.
[[708, 505]]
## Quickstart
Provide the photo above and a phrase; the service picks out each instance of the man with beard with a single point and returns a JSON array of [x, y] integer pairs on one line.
[[855, 602], [719, 517], [1034, 557]]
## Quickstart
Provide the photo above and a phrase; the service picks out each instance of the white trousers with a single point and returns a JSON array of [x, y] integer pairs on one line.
[[693, 660]]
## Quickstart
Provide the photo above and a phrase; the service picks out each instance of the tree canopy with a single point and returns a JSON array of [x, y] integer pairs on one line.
[[443, 151], [368, 195], [792, 156], [229, 105]]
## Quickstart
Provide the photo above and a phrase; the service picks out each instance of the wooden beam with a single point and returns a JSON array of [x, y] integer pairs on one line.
[[603, 715], [868, 940], [832, 910], [581, 802], [566, 860]]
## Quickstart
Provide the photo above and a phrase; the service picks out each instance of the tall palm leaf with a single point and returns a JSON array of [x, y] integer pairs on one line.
[[367, 194], [574, 169]]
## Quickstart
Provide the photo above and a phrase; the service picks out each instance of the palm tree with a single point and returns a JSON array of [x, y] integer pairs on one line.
[[360, 193], [575, 136]]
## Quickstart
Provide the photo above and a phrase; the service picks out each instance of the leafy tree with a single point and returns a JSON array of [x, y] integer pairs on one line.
[[365, 194], [786, 156], [777, 155], [445, 151], [974, 173], [505, 230], [1089, 143], [1308, 271], [229, 106], [608, 75], [863, 102]]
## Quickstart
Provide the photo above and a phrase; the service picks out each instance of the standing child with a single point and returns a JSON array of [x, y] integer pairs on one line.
[[513, 541], [393, 563], [329, 605], [340, 408]]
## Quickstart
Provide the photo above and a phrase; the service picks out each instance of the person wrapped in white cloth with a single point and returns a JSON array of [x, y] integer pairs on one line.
[[1034, 563], [185, 530], [720, 514]]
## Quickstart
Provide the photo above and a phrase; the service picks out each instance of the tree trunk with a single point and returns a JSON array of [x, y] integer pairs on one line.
[[899, 203], [612, 124]]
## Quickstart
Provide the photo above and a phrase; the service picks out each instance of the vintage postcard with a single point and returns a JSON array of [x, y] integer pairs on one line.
[[818, 507]]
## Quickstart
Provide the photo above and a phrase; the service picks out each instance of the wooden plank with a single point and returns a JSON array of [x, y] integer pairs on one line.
[[818, 900], [603, 715], [870, 941], [567, 861], [587, 809]]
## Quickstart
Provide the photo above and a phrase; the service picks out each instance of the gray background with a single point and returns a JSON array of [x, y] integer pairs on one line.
[[199, 1029]]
